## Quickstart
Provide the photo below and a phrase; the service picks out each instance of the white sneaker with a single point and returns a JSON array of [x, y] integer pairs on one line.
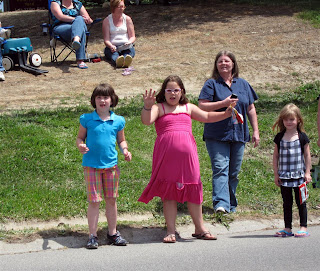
[[2, 78], [220, 210]]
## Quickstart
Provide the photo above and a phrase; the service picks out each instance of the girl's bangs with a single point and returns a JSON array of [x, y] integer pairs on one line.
[[288, 114], [103, 92]]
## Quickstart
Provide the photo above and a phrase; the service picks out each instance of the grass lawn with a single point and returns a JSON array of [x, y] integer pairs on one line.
[[41, 175]]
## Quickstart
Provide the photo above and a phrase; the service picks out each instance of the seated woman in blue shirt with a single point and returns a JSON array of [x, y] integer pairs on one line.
[[225, 140], [70, 19]]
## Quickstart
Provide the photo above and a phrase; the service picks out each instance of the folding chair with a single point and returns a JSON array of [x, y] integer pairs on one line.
[[55, 54]]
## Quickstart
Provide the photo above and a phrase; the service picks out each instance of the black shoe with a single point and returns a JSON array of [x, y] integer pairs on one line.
[[92, 242], [117, 240]]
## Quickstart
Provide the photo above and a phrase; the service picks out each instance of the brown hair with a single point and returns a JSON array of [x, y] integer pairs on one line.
[[290, 110], [104, 90], [160, 98], [114, 4], [235, 70]]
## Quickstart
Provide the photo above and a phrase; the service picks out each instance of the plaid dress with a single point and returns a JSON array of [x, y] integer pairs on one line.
[[291, 163]]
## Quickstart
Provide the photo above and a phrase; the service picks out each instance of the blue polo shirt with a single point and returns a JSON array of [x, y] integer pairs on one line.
[[101, 139], [217, 90]]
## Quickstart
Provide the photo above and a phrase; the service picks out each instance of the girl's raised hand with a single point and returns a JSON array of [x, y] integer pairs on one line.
[[149, 99]]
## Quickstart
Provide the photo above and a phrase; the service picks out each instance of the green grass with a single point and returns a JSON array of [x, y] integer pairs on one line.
[[41, 175], [312, 16]]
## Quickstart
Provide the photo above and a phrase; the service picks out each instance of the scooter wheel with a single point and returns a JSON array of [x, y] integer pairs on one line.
[[35, 60], [7, 63]]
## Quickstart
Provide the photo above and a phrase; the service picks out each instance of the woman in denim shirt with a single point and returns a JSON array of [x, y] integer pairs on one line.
[[225, 140]]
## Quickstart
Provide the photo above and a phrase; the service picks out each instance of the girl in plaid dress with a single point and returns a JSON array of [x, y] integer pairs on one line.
[[291, 165]]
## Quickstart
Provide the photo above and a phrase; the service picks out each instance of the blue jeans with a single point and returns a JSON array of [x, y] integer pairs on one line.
[[226, 159], [68, 31], [1, 67], [113, 56]]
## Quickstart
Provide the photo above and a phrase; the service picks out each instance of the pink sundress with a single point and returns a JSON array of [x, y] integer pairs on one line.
[[175, 165]]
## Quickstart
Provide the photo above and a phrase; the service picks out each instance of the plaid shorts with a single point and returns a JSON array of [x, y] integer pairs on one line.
[[100, 180]]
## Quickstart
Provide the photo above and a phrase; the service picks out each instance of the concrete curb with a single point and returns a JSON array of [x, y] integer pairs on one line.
[[144, 235]]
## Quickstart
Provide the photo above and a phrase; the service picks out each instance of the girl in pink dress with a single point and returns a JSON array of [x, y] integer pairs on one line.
[[175, 167]]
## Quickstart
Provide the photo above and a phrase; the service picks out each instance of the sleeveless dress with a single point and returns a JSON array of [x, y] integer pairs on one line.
[[175, 165]]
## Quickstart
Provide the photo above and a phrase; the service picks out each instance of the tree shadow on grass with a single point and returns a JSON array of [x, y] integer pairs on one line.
[[149, 20]]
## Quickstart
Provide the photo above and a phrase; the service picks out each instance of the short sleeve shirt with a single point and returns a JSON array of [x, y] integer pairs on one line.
[[291, 160], [225, 130], [73, 12], [101, 139]]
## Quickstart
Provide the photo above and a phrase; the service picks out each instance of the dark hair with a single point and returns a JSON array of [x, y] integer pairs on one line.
[[104, 90], [160, 98], [235, 70]]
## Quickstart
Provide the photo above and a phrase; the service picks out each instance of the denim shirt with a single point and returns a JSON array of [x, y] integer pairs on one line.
[[217, 90], [73, 12]]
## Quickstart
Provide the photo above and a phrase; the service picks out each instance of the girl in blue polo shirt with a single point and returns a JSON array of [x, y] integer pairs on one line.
[[99, 132]]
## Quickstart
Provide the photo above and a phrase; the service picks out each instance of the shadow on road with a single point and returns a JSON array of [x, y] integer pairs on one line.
[[254, 236], [133, 235]]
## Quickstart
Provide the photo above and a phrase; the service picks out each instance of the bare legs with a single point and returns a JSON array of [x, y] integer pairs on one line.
[[93, 216], [111, 214], [195, 211], [170, 215]]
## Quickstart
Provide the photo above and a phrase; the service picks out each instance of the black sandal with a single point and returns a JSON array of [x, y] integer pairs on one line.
[[206, 235]]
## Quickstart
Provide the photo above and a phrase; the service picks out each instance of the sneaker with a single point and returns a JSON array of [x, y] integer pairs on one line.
[[2, 78], [92, 242], [117, 239], [127, 61], [120, 62], [220, 210]]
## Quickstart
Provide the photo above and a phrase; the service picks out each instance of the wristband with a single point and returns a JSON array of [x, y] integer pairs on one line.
[[146, 109]]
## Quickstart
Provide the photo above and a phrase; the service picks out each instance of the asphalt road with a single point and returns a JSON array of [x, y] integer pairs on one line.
[[256, 250]]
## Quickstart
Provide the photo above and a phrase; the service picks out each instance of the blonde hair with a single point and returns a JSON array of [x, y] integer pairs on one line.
[[114, 4], [290, 110]]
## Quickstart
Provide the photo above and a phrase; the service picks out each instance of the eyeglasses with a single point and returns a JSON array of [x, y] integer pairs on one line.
[[176, 91]]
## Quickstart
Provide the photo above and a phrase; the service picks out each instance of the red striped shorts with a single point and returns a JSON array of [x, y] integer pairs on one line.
[[101, 180]]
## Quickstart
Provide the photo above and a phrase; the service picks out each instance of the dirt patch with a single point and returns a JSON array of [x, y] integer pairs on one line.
[[275, 50]]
